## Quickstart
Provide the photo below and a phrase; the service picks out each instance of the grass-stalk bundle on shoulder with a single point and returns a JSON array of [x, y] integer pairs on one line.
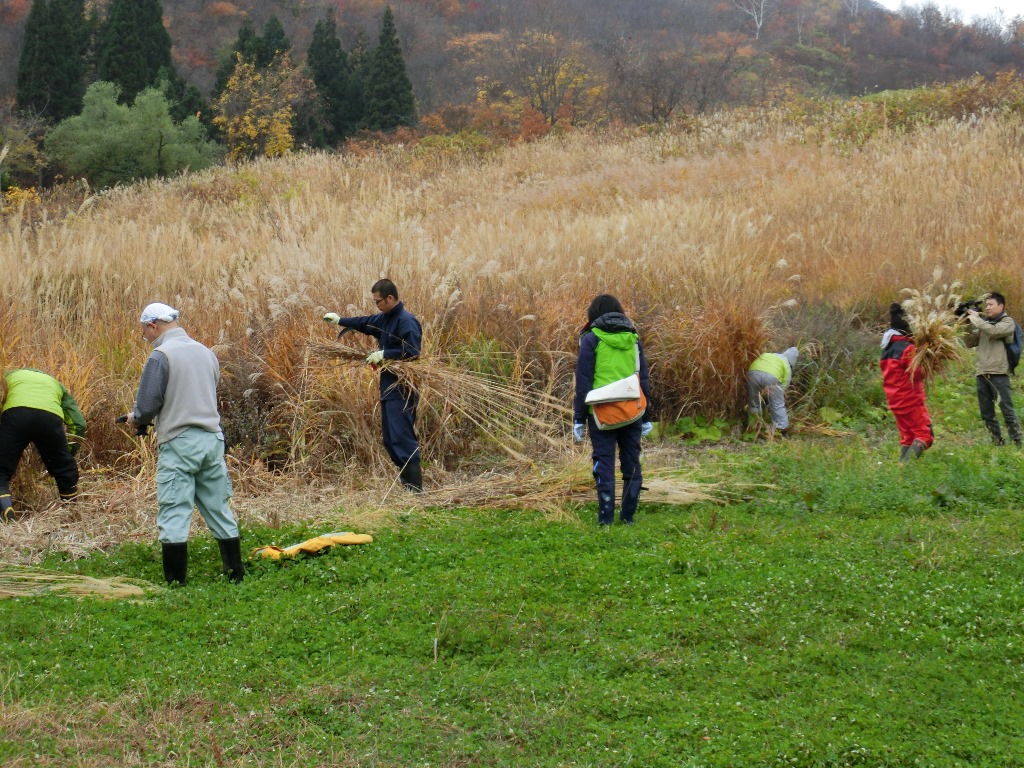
[[930, 312]]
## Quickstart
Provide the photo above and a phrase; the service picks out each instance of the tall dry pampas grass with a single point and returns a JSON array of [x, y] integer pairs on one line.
[[701, 232]]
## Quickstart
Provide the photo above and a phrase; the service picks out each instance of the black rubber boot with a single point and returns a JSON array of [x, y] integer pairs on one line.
[[231, 558], [6, 509], [904, 450], [412, 477], [176, 562], [916, 449]]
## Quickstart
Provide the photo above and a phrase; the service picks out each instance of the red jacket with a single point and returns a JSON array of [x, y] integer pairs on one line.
[[902, 391]]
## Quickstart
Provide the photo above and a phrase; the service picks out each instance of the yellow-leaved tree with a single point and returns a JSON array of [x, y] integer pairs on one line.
[[256, 110]]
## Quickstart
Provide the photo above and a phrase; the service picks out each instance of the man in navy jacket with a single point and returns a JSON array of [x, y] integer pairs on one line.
[[399, 335]]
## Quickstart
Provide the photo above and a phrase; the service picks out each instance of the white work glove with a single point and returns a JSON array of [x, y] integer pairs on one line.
[[332, 317], [374, 358], [577, 432], [645, 428]]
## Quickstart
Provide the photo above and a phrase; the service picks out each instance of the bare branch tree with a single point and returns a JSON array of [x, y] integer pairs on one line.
[[759, 12]]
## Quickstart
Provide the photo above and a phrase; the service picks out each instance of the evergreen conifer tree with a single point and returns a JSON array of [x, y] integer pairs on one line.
[[51, 67], [273, 42], [329, 67], [183, 100], [33, 87], [134, 46], [245, 45], [388, 97], [359, 58]]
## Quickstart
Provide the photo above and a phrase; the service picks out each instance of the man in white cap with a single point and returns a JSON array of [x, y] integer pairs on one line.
[[178, 392], [770, 374]]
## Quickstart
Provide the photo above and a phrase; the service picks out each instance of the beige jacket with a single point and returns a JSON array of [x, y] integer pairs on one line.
[[990, 340]]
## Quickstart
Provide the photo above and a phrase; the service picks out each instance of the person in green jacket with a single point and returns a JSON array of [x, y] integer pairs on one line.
[[769, 376], [610, 349], [37, 409]]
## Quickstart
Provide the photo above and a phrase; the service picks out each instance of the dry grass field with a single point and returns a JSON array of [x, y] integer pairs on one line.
[[708, 232]]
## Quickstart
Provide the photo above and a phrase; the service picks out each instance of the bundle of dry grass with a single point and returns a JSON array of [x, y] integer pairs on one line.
[[23, 581], [523, 421], [934, 324]]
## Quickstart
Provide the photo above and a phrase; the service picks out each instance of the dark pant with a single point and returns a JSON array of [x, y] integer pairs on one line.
[[398, 429], [603, 444], [21, 426], [992, 389]]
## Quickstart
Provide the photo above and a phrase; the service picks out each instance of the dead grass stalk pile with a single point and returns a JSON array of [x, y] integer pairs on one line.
[[554, 488], [23, 581], [461, 405]]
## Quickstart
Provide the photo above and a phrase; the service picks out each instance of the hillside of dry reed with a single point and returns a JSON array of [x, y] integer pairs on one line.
[[706, 232]]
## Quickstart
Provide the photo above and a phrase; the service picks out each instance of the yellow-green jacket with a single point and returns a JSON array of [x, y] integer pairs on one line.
[[777, 365], [29, 388]]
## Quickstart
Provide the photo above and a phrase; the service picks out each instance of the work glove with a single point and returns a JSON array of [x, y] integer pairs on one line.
[[332, 317], [645, 428], [577, 432], [374, 358]]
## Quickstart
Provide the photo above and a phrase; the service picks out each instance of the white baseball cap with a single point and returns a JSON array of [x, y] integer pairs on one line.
[[157, 312]]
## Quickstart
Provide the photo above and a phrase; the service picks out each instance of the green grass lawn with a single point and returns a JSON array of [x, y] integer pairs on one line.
[[841, 611]]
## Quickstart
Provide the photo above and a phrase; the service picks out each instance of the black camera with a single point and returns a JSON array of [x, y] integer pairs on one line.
[[961, 309]]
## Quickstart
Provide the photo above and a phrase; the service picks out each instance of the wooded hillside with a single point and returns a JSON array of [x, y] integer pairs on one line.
[[648, 60]]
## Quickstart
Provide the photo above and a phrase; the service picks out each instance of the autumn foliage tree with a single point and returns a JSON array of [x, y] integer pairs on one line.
[[259, 50], [256, 110], [551, 72]]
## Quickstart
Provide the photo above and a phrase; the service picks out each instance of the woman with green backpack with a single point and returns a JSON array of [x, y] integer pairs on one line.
[[612, 400]]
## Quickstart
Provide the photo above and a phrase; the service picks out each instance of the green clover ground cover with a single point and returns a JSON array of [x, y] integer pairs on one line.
[[840, 611]]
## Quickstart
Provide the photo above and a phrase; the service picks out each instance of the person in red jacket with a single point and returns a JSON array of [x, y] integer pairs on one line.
[[904, 390]]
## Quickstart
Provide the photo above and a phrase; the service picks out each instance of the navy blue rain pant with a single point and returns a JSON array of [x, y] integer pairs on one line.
[[603, 444], [21, 426], [398, 428]]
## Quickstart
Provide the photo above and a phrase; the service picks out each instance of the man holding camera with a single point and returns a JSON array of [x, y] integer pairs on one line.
[[989, 334]]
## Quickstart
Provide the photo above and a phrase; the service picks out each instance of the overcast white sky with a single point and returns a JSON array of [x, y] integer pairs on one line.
[[968, 8]]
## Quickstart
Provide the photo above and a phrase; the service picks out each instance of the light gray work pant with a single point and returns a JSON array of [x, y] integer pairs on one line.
[[190, 472], [761, 384]]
